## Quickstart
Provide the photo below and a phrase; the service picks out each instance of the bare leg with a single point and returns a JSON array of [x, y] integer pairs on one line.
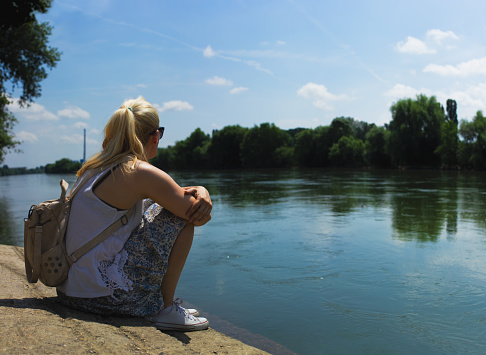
[[177, 259]]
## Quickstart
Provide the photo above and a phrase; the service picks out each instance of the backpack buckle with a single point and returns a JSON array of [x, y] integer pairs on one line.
[[124, 219]]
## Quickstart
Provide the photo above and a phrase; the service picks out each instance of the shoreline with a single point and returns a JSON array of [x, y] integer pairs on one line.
[[34, 322]]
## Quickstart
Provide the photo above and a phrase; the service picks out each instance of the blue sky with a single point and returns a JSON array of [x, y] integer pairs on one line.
[[210, 64]]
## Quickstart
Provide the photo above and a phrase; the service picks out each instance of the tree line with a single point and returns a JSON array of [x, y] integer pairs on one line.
[[421, 134], [61, 166]]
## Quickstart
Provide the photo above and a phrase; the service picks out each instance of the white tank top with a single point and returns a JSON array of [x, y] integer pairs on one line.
[[100, 271]]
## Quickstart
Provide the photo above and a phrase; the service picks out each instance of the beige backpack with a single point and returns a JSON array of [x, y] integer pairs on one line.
[[45, 253]]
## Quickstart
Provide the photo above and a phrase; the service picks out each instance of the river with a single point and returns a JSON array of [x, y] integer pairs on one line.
[[329, 261]]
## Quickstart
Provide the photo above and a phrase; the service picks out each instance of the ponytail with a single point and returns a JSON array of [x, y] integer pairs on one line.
[[126, 134]]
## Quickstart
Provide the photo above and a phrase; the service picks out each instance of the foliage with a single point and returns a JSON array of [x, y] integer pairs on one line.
[[260, 144], [225, 148], [340, 127], [415, 131], [63, 166], [6, 171], [448, 149], [312, 147], [164, 158], [191, 153], [376, 153], [420, 135], [348, 152], [472, 150], [7, 137], [24, 58]]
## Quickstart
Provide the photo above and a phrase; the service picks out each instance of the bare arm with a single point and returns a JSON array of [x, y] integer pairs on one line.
[[200, 211], [193, 204]]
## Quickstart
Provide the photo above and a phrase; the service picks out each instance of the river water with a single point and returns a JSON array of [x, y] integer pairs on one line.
[[329, 262]]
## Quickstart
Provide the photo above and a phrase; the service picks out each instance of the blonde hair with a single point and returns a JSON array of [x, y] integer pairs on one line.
[[126, 133]]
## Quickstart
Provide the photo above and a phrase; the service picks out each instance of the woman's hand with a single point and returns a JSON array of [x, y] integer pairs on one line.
[[200, 211]]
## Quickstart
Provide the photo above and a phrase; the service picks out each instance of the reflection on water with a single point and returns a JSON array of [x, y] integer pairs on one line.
[[7, 227], [422, 203], [346, 261]]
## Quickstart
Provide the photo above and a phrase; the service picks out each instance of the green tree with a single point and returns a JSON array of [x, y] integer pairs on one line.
[[472, 148], [376, 153], [360, 128], [259, 146], [340, 127], [225, 148], [415, 131], [24, 58], [7, 123], [450, 140], [304, 149], [347, 152], [63, 166], [192, 153], [312, 146], [164, 159]]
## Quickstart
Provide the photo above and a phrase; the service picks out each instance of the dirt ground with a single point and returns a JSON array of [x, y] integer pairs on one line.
[[32, 322]]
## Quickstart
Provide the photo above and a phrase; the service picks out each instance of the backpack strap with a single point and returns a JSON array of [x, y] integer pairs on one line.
[[82, 181], [31, 272], [111, 228], [123, 220]]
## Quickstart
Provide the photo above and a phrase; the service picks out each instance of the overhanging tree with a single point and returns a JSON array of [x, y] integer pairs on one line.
[[449, 145], [24, 59], [415, 131]]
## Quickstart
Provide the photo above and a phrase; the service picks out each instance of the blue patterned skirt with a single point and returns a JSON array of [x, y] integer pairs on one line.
[[148, 250]]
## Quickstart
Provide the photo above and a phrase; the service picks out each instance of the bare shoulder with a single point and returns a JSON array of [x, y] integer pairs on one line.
[[148, 176], [151, 182], [145, 170]]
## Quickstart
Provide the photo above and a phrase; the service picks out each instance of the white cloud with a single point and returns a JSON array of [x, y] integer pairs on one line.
[[24, 136], [208, 52], [33, 112], [400, 91], [413, 45], [216, 80], [433, 40], [469, 99], [439, 36], [175, 105], [94, 131], [238, 90], [74, 112], [73, 138], [471, 67], [319, 95], [281, 43], [80, 125]]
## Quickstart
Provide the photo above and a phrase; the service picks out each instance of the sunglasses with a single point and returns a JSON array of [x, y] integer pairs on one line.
[[161, 132]]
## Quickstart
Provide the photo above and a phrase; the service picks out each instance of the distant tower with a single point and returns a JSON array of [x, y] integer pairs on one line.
[[84, 146]]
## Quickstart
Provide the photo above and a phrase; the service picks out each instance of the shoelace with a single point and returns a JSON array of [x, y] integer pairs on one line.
[[178, 301], [182, 310]]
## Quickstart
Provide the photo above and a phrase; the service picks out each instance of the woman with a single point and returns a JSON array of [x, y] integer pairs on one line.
[[134, 271]]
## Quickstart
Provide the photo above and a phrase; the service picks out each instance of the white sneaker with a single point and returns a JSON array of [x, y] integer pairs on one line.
[[177, 318], [191, 311]]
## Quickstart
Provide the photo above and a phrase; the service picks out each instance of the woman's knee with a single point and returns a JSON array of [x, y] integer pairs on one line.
[[187, 232]]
